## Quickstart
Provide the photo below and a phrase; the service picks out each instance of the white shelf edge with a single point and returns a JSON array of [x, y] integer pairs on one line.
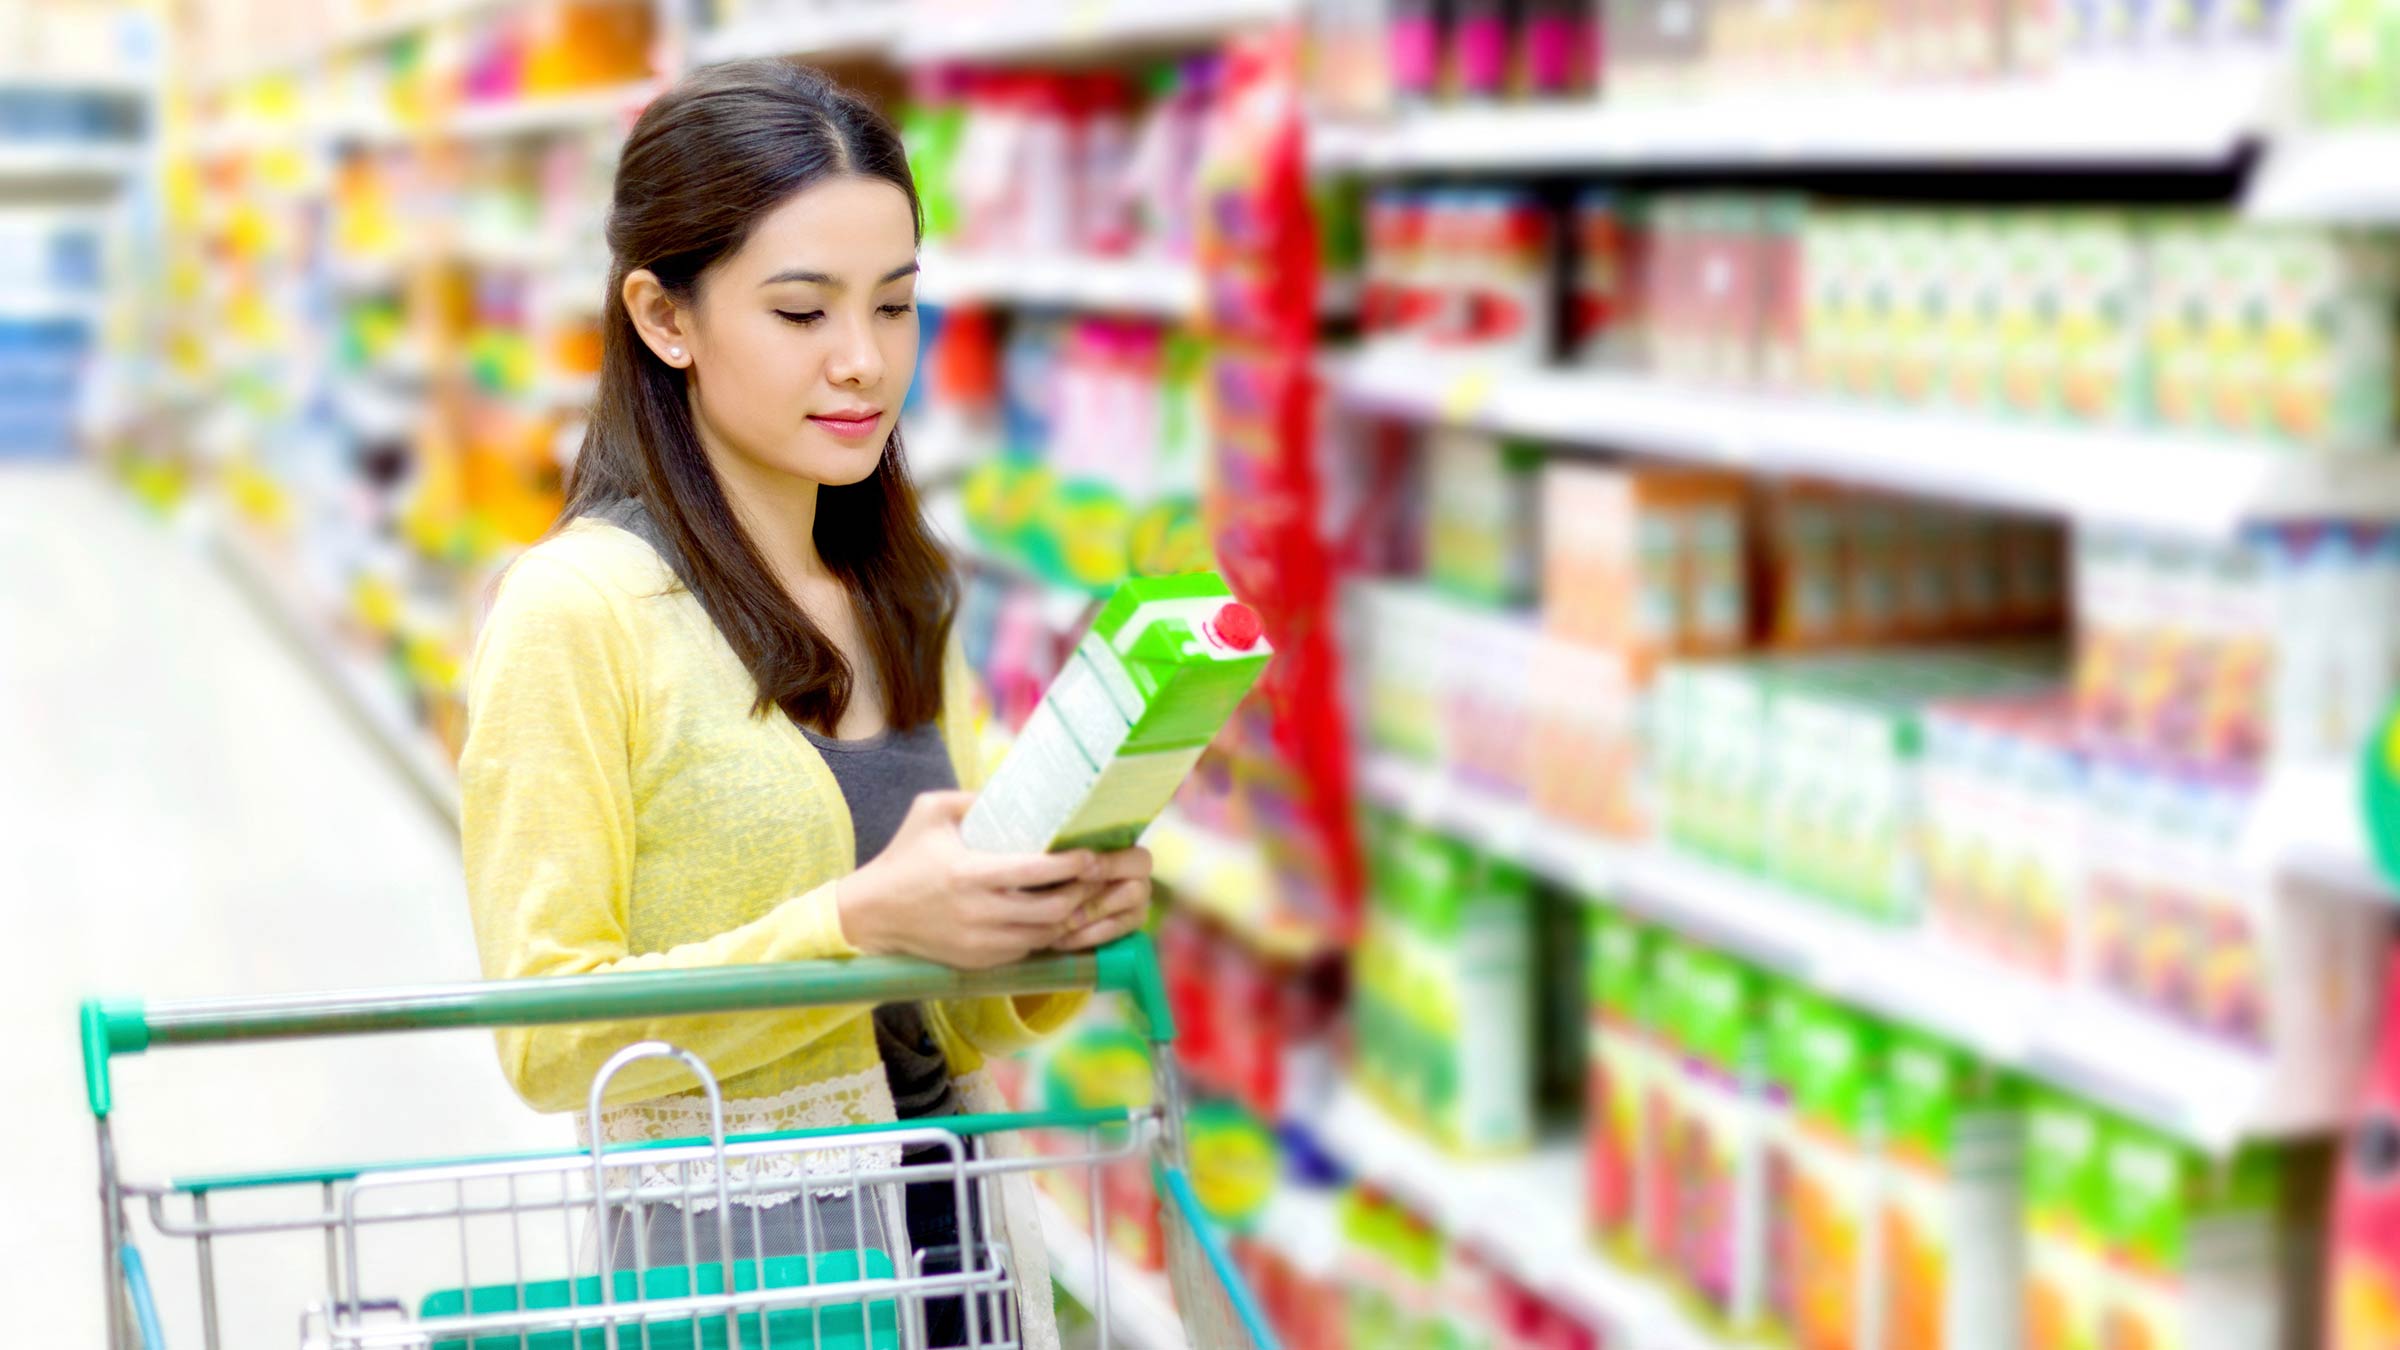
[[850, 30], [1049, 27], [2182, 483], [1523, 1214], [1157, 287], [1141, 1310], [2348, 176], [358, 687], [2140, 1065], [35, 306], [2195, 115], [76, 161]]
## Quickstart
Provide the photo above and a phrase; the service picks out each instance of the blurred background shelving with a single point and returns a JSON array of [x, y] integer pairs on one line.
[[1844, 554]]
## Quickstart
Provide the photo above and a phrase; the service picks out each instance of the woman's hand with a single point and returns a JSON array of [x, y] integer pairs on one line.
[[929, 896], [1121, 907]]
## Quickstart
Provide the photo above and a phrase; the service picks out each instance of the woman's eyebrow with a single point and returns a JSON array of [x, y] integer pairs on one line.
[[823, 279]]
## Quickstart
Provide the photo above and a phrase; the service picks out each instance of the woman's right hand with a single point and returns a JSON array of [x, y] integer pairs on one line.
[[929, 896]]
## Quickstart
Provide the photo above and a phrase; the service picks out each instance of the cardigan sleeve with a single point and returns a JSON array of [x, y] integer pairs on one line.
[[547, 823]]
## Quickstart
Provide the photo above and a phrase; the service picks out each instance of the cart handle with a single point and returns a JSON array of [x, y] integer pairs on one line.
[[113, 1027]]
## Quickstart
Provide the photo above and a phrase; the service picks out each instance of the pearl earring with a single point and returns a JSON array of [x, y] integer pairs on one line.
[[676, 352]]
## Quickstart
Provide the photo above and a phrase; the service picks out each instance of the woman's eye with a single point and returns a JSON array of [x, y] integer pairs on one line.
[[802, 319], [897, 310]]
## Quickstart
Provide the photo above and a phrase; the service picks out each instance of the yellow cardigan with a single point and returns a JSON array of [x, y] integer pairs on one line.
[[624, 810]]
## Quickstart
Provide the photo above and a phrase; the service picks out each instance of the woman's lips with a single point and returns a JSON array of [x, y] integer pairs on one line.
[[849, 426]]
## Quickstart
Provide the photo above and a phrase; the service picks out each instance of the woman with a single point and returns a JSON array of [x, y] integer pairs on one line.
[[717, 716]]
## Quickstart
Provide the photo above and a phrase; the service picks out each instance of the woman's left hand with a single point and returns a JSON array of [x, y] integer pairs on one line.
[[1121, 907]]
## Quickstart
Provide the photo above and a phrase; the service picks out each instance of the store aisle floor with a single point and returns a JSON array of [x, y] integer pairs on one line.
[[185, 811]]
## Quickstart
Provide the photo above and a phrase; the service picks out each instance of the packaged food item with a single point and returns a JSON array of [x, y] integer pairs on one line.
[[1715, 1154], [1605, 309], [1481, 507], [1586, 746], [1836, 1171], [2003, 786], [1953, 1221], [1162, 669], [1646, 562], [1622, 1051], [2066, 1221], [2197, 1257], [1788, 1010]]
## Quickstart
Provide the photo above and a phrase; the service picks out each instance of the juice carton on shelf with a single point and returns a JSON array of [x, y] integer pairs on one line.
[[2331, 360], [1716, 1156], [1401, 634], [1831, 305], [1164, 666], [1712, 755], [1479, 1021], [2032, 361], [2197, 1260], [1836, 1181], [1646, 562], [1481, 509], [1974, 278], [1787, 1011], [1586, 750], [1619, 1056], [2003, 825], [2099, 319], [2066, 1248], [1487, 710], [1953, 1214], [2177, 294], [1658, 1194]]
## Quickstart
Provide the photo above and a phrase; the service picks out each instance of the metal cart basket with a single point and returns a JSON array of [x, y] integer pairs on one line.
[[660, 1245]]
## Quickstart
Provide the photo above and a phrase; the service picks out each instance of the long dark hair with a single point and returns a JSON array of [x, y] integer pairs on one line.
[[704, 163]]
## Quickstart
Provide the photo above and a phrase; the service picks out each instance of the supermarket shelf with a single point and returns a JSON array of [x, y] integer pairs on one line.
[[35, 306], [1227, 879], [1141, 1308], [2185, 117], [2334, 177], [2136, 1064], [1028, 28], [1525, 1215], [108, 84], [1138, 286], [594, 110], [847, 30], [67, 162], [2161, 480], [2311, 824], [368, 697]]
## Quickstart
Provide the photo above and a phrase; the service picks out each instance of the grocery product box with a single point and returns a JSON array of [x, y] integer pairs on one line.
[[2197, 1258], [1162, 669], [2003, 787], [1646, 562], [1952, 1257], [2067, 1247]]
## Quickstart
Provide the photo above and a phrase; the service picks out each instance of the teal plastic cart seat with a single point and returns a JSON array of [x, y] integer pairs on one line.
[[872, 1325]]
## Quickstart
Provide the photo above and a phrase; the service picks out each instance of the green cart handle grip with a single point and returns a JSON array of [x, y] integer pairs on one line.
[[1127, 966]]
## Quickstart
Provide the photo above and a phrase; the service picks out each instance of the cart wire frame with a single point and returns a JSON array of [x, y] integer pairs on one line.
[[870, 1293]]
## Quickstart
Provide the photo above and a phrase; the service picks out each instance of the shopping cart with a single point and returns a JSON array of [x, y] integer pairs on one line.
[[583, 1249]]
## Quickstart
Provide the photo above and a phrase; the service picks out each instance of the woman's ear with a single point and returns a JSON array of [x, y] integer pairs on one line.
[[657, 318]]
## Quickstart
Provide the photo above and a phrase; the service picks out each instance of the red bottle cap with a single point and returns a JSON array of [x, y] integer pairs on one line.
[[1236, 626]]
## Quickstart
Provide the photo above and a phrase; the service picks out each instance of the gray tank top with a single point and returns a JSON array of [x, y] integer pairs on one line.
[[880, 777]]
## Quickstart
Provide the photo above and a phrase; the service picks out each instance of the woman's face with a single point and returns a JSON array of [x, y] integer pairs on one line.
[[803, 342]]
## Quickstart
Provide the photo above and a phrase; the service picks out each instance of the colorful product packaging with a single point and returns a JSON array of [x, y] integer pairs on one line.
[[2003, 785], [1164, 666], [1715, 1154], [1620, 1056], [1953, 1219], [2066, 1242], [1836, 1179], [1482, 504], [2197, 1263]]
